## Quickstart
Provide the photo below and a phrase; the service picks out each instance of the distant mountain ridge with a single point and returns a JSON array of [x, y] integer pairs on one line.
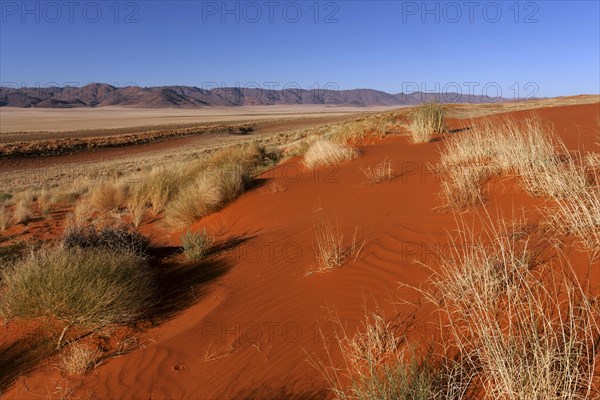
[[102, 94]]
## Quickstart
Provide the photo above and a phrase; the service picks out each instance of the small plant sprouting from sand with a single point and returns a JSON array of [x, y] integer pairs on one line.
[[330, 248], [425, 121], [382, 172], [276, 187], [196, 245], [325, 152]]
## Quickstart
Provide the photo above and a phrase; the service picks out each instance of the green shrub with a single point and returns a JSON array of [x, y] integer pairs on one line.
[[87, 287]]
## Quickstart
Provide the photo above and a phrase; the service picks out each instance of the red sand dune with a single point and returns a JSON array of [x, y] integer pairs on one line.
[[253, 327]]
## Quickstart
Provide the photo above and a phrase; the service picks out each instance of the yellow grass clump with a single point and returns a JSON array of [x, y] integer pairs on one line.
[[22, 213], [425, 121], [325, 152], [78, 358], [528, 150]]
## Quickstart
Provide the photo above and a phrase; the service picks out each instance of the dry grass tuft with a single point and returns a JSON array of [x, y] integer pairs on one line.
[[78, 359], [44, 201], [109, 196], [382, 172], [377, 363], [324, 152], [425, 121], [196, 245], [578, 213], [22, 213], [82, 214], [330, 250], [117, 238], [206, 193], [5, 217], [464, 187]]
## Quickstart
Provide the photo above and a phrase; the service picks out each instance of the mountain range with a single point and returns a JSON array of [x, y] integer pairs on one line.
[[102, 94]]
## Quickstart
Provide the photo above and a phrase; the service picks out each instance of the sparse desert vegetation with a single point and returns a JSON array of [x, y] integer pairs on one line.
[[4, 217], [514, 315], [578, 212], [528, 327], [312, 200], [329, 241], [425, 121]]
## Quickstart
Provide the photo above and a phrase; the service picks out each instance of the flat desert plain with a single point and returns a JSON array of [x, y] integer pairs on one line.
[[14, 119]]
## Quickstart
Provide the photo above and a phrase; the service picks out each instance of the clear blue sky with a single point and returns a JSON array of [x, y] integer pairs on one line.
[[548, 46]]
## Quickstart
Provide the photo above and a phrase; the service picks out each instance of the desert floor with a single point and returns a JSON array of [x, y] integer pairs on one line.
[[55, 120]]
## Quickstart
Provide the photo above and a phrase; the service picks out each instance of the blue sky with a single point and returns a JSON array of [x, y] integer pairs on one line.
[[543, 48]]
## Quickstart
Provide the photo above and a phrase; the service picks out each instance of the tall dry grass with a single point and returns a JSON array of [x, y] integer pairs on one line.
[[515, 323], [22, 213], [183, 191], [464, 187], [206, 193], [425, 121], [525, 324], [528, 150], [379, 363], [578, 212], [109, 196]]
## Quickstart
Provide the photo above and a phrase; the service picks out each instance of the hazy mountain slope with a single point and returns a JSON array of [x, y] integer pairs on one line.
[[102, 94]]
